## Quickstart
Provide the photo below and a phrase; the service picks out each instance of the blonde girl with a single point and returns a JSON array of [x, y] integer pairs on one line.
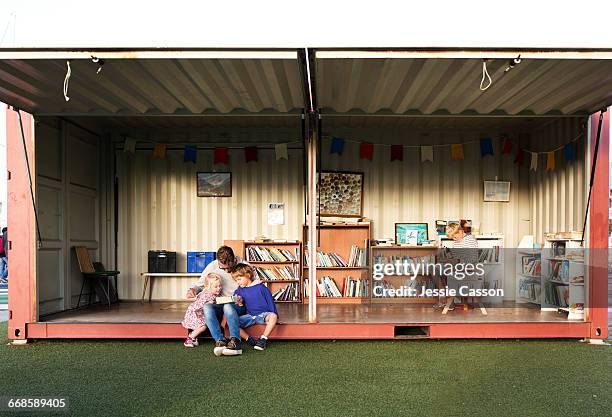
[[194, 316]]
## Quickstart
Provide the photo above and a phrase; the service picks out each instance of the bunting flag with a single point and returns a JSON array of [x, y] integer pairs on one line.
[[550, 161], [159, 151], [397, 153], [220, 155], [486, 147], [520, 157], [191, 154], [534, 161], [366, 150], [337, 146], [507, 149], [250, 153], [568, 151], [457, 152], [426, 153], [281, 151], [130, 145]]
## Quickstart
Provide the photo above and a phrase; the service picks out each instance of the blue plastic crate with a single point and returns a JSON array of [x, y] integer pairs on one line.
[[197, 261]]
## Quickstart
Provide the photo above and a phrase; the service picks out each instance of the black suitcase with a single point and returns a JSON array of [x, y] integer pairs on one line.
[[162, 261]]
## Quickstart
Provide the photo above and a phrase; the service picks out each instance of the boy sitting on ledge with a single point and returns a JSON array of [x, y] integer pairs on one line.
[[259, 303]]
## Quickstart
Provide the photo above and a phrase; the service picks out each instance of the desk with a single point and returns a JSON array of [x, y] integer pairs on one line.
[[148, 279]]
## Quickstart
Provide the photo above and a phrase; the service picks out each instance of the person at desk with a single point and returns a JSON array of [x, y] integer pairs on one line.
[[464, 250], [222, 266]]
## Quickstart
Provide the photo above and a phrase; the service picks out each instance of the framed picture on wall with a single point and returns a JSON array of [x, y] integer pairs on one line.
[[411, 233], [497, 191], [214, 184], [341, 194]]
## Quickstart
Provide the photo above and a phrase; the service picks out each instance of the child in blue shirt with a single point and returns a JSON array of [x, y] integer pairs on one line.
[[257, 299]]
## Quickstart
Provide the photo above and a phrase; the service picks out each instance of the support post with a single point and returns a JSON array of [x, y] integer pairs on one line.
[[312, 214]]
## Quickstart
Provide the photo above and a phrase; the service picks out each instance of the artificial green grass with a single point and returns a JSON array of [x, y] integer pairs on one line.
[[323, 378]]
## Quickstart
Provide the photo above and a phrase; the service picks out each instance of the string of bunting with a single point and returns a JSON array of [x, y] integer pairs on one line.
[[220, 153], [457, 153]]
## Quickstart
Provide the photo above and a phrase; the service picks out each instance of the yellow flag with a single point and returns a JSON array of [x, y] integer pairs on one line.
[[550, 161], [457, 152], [159, 151]]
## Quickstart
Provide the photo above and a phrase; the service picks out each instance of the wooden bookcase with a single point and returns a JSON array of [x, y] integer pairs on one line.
[[396, 281], [339, 238], [295, 248]]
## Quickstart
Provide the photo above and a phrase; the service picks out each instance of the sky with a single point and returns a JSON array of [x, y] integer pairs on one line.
[[316, 23]]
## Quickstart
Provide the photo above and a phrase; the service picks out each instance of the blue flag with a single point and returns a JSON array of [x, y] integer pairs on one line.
[[191, 154], [568, 151], [337, 146], [486, 147]]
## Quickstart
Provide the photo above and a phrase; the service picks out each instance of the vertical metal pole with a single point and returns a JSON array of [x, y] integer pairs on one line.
[[312, 215]]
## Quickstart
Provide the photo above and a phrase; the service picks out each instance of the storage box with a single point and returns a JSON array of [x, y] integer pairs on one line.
[[197, 261], [161, 261]]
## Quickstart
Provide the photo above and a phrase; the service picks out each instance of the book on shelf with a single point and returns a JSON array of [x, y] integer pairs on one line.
[[288, 293], [354, 287], [532, 265], [557, 294], [326, 287], [489, 255], [530, 290], [277, 273], [264, 254], [357, 258], [409, 284], [559, 270]]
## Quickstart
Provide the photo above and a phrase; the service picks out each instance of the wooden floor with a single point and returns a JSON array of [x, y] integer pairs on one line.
[[172, 312]]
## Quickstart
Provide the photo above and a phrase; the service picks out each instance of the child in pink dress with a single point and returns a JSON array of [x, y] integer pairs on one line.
[[194, 316]]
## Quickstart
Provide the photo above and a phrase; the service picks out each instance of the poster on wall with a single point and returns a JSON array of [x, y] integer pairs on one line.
[[214, 184], [497, 191], [276, 214], [341, 194], [411, 234]]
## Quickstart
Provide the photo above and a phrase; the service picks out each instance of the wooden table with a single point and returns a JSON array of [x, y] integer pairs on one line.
[[148, 279]]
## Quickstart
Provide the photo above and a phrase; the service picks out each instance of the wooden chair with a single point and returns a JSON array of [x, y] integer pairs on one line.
[[95, 274]]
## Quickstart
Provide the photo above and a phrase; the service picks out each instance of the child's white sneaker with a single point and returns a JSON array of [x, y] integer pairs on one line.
[[189, 343]]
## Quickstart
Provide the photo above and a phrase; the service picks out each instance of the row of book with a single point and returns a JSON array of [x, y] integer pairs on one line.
[[490, 255], [559, 270], [416, 285], [288, 293], [532, 265], [530, 290], [278, 273], [557, 294], [262, 254], [357, 257], [326, 287]]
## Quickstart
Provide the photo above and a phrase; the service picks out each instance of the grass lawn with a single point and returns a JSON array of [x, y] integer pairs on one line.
[[517, 378]]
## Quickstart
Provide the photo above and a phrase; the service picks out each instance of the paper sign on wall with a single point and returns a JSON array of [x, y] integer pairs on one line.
[[276, 214]]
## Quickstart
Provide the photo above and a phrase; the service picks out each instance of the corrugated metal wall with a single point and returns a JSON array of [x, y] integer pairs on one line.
[[159, 209], [558, 197]]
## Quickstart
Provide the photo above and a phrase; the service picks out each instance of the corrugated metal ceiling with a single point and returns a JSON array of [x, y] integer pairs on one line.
[[452, 86]]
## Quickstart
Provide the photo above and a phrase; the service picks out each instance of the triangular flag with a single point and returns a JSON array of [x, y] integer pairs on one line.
[[366, 150], [337, 146], [486, 147], [130, 145], [191, 154], [520, 157], [507, 148], [568, 151], [550, 161], [250, 153], [426, 153], [281, 151], [397, 153], [159, 151], [457, 152], [534, 161], [220, 155]]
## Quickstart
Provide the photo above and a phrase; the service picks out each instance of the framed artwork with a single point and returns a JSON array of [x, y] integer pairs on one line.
[[341, 194], [441, 227], [497, 191], [214, 184], [411, 233]]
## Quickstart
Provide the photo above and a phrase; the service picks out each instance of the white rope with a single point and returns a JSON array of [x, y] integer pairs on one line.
[[66, 80], [485, 73]]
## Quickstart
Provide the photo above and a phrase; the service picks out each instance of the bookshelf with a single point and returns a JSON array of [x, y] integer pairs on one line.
[[343, 264], [381, 255], [563, 277], [529, 275], [278, 265]]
